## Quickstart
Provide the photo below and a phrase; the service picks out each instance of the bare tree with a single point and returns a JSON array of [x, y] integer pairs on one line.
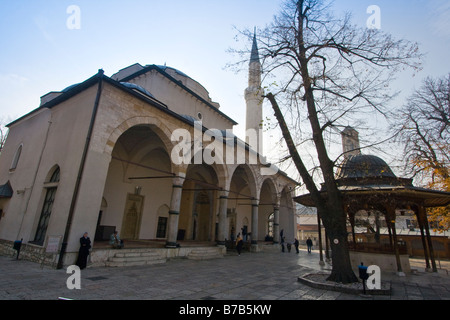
[[326, 71], [3, 135], [423, 127]]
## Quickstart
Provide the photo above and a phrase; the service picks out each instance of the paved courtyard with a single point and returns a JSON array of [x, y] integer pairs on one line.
[[251, 276]]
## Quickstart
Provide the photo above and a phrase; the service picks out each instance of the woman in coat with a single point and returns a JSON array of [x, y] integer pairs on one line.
[[83, 253]]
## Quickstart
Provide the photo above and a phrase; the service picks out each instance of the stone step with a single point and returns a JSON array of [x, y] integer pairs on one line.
[[121, 259], [136, 254], [135, 257], [133, 263], [205, 253]]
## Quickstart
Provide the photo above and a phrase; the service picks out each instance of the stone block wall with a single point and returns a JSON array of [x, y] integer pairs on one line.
[[28, 252]]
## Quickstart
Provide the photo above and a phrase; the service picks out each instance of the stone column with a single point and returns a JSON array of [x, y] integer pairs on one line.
[[276, 223], [223, 205], [390, 216], [174, 212], [418, 213], [254, 222], [428, 237]]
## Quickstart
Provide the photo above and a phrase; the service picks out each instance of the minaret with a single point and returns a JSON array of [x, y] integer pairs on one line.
[[350, 142], [253, 98]]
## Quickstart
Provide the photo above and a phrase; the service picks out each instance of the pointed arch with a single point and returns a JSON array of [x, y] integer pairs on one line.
[[245, 172], [157, 125], [269, 191]]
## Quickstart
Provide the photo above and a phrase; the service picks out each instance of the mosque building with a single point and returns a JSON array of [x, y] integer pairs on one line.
[[145, 152]]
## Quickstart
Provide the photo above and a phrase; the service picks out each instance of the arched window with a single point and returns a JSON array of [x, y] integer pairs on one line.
[[16, 158], [44, 219], [55, 176]]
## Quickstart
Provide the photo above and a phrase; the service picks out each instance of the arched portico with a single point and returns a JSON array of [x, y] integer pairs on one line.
[[199, 203], [139, 183], [243, 204], [287, 217]]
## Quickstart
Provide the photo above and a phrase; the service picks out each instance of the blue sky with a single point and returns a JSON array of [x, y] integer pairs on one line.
[[39, 53]]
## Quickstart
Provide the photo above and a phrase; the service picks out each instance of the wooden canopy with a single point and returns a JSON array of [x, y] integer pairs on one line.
[[367, 183]]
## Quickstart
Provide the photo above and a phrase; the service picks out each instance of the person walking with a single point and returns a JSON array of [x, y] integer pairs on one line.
[[282, 244], [239, 244], [83, 253], [296, 245], [309, 244]]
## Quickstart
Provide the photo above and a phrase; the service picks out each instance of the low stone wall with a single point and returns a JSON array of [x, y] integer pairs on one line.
[[97, 257], [28, 252], [318, 281], [273, 248], [386, 262]]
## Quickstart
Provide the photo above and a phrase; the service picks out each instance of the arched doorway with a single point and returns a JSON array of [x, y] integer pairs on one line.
[[201, 217]]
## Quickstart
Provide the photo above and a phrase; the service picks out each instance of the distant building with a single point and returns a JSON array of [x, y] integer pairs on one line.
[[307, 226]]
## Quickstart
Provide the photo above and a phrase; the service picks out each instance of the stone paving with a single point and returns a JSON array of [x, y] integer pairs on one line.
[[250, 276]]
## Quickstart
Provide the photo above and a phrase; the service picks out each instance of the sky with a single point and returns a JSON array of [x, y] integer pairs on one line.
[[46, 45]]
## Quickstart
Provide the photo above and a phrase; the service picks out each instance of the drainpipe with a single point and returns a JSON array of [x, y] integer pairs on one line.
[[80, 171]]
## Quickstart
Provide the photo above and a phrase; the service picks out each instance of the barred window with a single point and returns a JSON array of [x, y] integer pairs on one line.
[[47, 209], [162, 227]]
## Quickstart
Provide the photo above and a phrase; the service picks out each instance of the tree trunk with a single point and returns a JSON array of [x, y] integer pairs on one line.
[[330, 209], [333, 213], [336, 229]]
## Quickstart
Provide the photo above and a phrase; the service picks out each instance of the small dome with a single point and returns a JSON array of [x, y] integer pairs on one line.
[[164, 68], [70, 87], [364, 166], [134, 86]]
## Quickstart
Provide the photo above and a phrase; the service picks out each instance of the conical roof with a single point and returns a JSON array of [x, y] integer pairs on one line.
[[254, 57]]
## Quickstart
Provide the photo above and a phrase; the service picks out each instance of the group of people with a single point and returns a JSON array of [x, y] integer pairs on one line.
[[296, 243], [240, 243], [117, 243], [85, 246], [289, 245]]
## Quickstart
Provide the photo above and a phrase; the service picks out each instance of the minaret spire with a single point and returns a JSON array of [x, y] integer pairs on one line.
[[254, 57], [253, 98]]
